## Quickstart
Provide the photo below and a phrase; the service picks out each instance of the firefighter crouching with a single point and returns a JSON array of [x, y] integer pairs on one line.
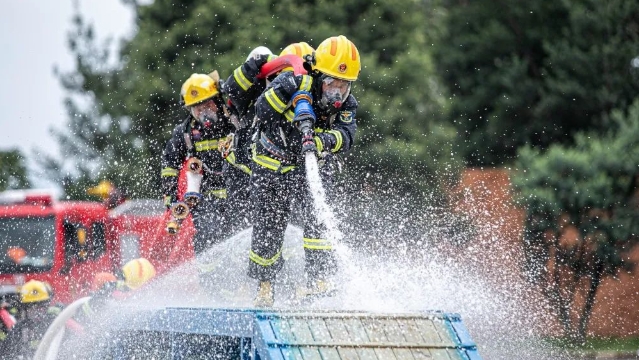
[[296, 114], [33, 319], [105, 288], [198, 136]]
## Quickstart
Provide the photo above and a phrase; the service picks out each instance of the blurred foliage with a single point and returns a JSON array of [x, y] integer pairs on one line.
[[535, 72], [13, 172], [592, 188], [603, 344], [122, 113]]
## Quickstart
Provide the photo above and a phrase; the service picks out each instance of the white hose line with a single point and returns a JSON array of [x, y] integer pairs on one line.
[[50, 342]]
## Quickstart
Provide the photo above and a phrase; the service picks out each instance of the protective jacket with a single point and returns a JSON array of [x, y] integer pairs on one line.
[[243, 88], [192, 138], [278, 182], [281, 141]]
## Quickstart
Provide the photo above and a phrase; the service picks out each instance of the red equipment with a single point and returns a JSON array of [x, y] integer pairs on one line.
[[280, 63]]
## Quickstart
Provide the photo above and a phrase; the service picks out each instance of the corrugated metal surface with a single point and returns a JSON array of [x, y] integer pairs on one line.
[[309, 336]]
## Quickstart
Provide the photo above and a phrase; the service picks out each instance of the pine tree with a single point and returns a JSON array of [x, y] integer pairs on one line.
[[535, 72], [133, 105], [593, 189], [13, 172]]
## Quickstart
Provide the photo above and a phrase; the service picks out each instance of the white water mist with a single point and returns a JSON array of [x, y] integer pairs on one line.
[[322, 210]]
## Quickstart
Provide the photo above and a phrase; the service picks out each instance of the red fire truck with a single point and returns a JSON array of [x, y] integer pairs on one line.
[[66, 242]]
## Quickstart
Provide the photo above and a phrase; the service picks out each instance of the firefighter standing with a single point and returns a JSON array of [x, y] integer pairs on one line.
[[243, 88], [34, 318], [199, 136], [296, 114]]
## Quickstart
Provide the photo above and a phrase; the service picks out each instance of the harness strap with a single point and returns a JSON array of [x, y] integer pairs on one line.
[[275, 150]]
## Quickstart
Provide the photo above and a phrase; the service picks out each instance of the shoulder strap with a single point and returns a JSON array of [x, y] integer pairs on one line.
[[187, 137]]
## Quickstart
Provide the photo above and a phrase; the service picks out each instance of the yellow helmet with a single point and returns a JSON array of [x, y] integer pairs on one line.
[[338, 57], [198, 88], [137, 272], [103, 189], [34, 291], [300, 49]]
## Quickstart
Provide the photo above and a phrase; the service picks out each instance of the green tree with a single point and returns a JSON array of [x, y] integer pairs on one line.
[[593, 188], [133, 104], [13, 172], [535, 72]]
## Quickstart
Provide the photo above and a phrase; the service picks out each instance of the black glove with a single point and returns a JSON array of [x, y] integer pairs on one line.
[[308, 143], [259, 60]]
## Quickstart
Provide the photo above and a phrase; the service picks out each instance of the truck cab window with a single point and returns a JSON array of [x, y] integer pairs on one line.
[[98, 240], [75, 243], [26, 243]]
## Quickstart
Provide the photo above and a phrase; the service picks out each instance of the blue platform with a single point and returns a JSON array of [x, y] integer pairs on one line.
[[200, 333]]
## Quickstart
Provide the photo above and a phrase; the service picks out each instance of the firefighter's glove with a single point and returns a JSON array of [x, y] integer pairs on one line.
[[261, 59], [226, 146], [311, 143], [255, 63], [169, 200], [302, 101]]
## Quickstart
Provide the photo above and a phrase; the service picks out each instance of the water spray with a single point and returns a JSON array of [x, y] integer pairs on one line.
[[323, 212]]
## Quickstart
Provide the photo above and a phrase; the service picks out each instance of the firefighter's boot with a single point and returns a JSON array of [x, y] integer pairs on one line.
[[317, 288], [264, 296]]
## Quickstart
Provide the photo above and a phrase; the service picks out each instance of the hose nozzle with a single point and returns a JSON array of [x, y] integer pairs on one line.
[[194, 165], [180, 211]]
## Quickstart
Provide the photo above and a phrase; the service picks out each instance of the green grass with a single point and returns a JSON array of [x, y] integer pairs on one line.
[[599, 344]]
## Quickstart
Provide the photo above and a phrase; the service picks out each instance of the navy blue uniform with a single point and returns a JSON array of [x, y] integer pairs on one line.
[[193, 139], [279, 177], [242, 88]]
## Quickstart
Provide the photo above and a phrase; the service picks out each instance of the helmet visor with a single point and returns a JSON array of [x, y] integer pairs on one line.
[[335, 91], [205, 111]]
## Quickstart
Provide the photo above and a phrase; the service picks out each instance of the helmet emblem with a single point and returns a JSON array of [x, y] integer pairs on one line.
[[341, 68], [194, 93]]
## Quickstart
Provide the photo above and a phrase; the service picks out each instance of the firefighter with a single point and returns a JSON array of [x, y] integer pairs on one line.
[[106, 287], [111, 196], [34, 318], [328, 162], [296, 114], [242, 87], [198, 136]]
